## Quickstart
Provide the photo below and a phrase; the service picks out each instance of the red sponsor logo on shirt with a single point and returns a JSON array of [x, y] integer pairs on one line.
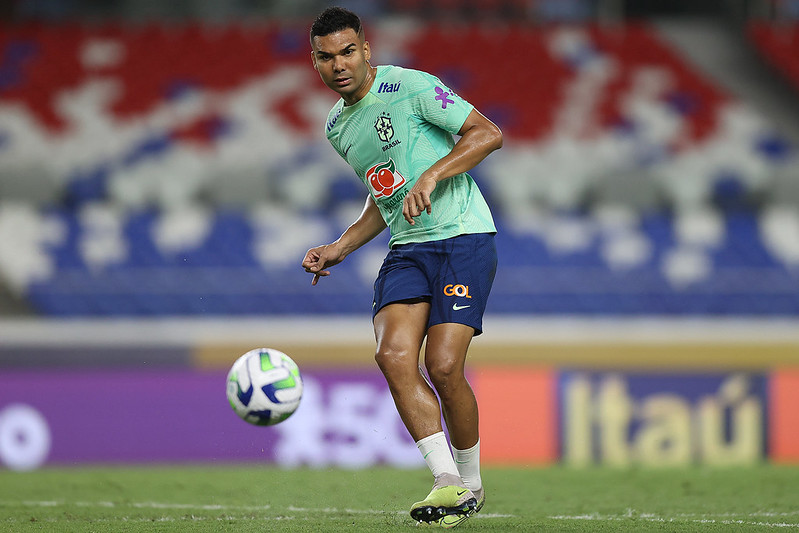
[[384, 179]]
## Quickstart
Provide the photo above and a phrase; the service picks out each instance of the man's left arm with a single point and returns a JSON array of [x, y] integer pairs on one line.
[[479, 137]]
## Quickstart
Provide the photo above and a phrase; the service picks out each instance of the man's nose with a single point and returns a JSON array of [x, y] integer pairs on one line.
[[338, 64]]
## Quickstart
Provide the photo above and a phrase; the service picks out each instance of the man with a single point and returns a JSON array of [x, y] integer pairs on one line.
[[394, 126]]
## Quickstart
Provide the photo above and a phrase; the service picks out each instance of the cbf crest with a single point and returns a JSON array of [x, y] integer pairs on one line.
[[385, 131]]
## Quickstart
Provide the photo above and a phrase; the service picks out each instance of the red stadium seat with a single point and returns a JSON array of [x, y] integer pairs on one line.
[[780, 45], [508, 68]]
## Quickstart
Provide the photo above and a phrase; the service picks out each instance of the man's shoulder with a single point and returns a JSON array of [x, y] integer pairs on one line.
[[394, 72], [396, 84]]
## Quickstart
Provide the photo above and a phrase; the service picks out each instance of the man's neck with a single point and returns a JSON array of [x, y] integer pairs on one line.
[[365, 87]]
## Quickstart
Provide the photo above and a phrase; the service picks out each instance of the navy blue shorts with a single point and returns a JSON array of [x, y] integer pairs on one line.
[[455, 275]]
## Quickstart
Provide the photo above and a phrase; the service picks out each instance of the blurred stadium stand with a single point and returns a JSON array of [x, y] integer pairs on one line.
[[779, 44], [168, 158]]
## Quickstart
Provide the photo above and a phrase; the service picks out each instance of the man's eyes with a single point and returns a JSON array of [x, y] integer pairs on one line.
[[326, 57]]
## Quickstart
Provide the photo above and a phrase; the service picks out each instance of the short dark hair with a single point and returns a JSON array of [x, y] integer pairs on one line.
[[334, 19]]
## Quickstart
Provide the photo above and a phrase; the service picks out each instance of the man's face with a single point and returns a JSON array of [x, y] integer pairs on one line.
[[341, 59]]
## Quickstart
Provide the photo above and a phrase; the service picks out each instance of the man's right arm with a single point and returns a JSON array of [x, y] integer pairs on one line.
[[369, 225]]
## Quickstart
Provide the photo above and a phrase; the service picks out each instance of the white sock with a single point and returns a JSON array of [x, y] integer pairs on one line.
[[435, 451], [468, 463]]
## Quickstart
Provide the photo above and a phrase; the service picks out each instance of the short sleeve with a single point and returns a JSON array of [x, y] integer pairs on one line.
[[438, 104]]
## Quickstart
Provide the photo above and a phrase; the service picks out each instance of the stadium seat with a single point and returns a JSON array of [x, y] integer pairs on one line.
[[187, 171], [779, 43]]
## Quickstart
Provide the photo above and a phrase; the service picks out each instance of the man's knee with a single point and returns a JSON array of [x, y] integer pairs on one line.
[[392, 359], [445, 373]]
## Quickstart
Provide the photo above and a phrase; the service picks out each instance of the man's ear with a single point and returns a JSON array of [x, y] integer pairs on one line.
[[313, 61], [367, 51]]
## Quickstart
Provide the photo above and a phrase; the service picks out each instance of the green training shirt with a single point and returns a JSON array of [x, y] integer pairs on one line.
[[393, 134]]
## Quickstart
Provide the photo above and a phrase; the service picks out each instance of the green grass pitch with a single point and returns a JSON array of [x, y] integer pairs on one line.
[[246, 498]]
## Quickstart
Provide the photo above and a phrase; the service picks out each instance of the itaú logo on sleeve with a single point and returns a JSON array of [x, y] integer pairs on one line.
[[384, 179], [457, 290]]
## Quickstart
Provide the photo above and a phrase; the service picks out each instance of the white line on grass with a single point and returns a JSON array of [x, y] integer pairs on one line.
[[137, 505], [743, 519], [190, 506]]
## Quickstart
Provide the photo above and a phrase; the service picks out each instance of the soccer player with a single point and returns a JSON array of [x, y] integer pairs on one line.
[[395, 127]]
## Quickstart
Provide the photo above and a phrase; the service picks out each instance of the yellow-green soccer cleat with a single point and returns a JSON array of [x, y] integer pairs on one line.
[[448, 498], [451, 520]]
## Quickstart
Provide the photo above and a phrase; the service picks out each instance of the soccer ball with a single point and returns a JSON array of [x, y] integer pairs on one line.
[[264, 387]]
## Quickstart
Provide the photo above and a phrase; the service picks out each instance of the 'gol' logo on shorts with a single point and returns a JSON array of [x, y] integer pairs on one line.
[[457, 290]]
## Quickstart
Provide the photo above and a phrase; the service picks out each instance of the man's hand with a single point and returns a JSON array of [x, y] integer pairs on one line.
[[418, 198], [318, 258]]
